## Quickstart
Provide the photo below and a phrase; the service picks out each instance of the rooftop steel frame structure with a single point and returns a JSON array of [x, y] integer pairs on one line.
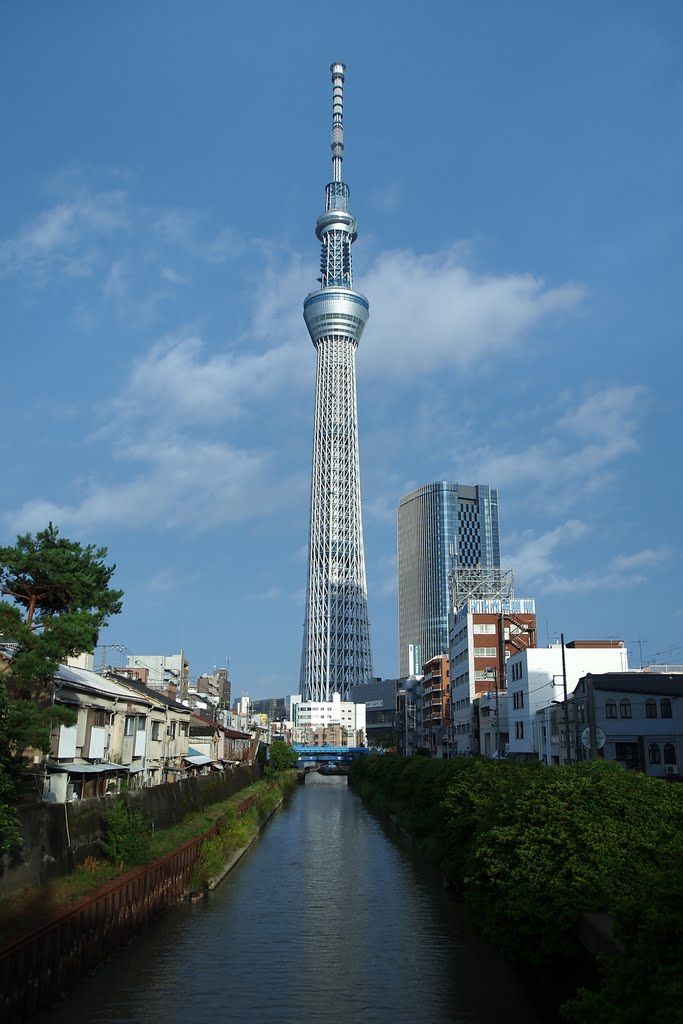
[[336, 646], [468, 583]]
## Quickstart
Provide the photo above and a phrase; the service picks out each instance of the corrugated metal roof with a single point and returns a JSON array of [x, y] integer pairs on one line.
[[86, 769]]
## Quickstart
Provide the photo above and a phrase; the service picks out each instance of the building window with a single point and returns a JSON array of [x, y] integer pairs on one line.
[[625, 709], [627, 754], [484, 627], [518, 700], [484, 652], [519, 730], [650, 708], [669, 753], [486, 674], [155, 730], [610, 709], [665, 707], [141, 724], [654, 754], [129, 726]]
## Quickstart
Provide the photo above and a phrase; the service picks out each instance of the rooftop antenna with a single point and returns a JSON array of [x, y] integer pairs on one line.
[[640, 648]]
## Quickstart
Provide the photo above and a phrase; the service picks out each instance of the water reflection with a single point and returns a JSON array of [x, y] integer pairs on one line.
[[325, 918]]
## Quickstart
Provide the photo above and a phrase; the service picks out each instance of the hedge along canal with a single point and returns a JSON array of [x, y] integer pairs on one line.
[[39, 966], [535, 851]]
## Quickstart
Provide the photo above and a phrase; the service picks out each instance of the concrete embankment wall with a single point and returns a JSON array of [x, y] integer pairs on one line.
[[57, 837]]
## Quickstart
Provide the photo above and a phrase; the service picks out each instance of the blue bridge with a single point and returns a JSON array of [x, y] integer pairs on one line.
[[327, 755]]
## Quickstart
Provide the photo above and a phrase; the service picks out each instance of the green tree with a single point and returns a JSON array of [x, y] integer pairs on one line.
[[60, 598], [282, 756]]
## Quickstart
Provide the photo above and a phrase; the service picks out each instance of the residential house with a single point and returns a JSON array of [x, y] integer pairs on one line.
[[122, 731]]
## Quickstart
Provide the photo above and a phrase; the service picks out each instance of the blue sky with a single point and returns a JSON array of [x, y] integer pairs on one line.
[[516, 173]]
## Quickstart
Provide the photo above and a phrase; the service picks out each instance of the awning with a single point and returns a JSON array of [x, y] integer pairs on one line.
[[87, 769], [198, 760]]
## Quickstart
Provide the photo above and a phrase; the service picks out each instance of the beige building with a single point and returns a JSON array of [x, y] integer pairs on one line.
[[123, 731]]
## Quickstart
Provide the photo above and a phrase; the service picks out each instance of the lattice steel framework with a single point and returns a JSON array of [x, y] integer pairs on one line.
[[336, 646], [476, 582]]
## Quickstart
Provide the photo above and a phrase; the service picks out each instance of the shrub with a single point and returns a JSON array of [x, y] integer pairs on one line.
[[126, 840], [561, 842]]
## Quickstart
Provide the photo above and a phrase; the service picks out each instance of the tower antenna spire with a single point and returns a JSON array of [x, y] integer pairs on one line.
[[338, 71], [336, 646]]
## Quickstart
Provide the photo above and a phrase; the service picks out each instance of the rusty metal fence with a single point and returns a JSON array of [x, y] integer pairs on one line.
[[38, 967]]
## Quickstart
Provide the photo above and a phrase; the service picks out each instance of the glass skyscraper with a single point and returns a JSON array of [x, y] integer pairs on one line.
[[440, 526]]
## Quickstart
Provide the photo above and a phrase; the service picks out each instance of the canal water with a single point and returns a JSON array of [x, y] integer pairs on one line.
[[325, 919]]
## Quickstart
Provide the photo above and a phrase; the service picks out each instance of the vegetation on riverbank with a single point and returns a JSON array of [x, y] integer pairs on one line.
[[33, 906], [531, 849], [237, 831]]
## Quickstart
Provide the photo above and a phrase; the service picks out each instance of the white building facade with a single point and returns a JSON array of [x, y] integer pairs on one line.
[[535, 680], [310, 716]]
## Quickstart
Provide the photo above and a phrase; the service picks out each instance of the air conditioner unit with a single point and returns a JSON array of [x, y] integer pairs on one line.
[[671, 769]]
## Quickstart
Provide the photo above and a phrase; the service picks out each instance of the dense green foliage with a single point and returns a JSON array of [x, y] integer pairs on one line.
[[60, 599], [533, 848], [645, 983], [282, 756], [127, 836]]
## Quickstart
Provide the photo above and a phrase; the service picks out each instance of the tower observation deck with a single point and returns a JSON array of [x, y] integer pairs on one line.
[[336, 645]]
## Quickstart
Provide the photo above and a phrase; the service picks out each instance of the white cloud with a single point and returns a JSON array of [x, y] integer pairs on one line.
[[178, 225], [389, 199], [279, 295], [430, 311], [598, 580], [172, 276], [605, 423], [536, 557], [182, 483], [65, 227], [537, 564], [179, 381], [115, 282], [647, 558], [163, 581]]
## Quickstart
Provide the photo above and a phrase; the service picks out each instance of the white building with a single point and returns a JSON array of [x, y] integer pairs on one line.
[[309, 716], [535, 681]]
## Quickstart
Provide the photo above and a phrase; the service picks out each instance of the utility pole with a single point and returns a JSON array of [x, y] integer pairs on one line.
[[592, 728], [566, 703], [500, 677], [640, 649]]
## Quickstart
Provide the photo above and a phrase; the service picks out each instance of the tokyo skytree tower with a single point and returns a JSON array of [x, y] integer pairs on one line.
[[336, 647]]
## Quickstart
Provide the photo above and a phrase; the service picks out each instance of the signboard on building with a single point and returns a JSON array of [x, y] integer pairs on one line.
[[414, 660]]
